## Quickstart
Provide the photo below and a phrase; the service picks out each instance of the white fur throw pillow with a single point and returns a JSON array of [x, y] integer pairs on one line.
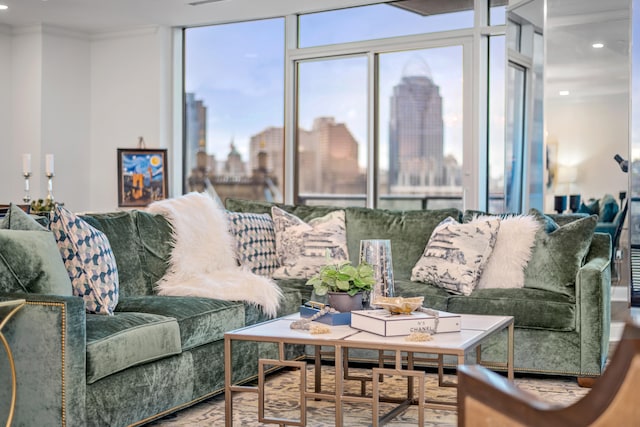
[[511, 253], [456, 255], [301, 248], [203, 261]]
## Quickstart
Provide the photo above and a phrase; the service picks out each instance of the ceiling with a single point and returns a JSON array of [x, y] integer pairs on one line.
[[572, 64], [570, 29], [98, 16]]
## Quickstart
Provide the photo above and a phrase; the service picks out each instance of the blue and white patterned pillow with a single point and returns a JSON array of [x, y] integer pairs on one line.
[[456, 255], [255, 239], [87, 255], [302, 248]]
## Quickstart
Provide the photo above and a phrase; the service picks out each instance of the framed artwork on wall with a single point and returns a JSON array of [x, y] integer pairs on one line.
[[142, 176]]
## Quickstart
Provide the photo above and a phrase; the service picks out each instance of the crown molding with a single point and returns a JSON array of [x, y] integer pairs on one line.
[[48, 29], [138, 31]]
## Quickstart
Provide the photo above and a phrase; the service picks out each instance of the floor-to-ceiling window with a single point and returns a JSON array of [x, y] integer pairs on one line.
[[380, 105], [234, 109], [400, 110], [332, 130]]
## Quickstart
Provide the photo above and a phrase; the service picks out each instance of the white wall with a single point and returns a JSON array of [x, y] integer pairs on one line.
[[65, 121], [130, 97], [26, 112], [80, 98], [5, 109], [589, 133]]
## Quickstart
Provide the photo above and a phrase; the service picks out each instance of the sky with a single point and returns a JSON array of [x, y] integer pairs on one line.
[[238, 71]]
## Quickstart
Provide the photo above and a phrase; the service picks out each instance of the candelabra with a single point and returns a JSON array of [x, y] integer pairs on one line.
[[27, 196], [50, 176]]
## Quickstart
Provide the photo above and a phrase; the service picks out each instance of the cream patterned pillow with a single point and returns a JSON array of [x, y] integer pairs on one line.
[[456, 255], [301, 248], [511, 253]]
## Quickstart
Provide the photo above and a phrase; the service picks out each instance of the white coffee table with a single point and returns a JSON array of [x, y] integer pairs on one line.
[[474, 330]]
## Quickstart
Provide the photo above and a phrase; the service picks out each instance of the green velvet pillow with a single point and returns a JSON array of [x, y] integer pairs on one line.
[[17, 219], [557, 256], [30, 262]]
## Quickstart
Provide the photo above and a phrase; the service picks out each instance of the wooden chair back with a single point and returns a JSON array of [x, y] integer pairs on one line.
[[488, 399]]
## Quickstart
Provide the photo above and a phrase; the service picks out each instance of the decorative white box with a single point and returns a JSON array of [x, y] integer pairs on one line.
[[383, 323]]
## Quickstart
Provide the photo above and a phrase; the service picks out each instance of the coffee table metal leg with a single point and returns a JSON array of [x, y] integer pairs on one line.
[[510, 353], [317, 366], [339, 385], [228, 398], [302, 368], [377, 374]]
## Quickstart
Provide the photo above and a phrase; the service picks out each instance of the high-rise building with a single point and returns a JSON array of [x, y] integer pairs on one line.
[[196, 130], [271, 142], [328, 159], [416, 137]]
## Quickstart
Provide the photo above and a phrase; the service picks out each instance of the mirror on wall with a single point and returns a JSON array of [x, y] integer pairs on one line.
[[586, 97], [567, 111], [567, 98], [586, 108]]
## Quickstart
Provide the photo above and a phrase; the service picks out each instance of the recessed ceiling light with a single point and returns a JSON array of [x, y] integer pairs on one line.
[[597, 45], [563, 93], [4, 7]]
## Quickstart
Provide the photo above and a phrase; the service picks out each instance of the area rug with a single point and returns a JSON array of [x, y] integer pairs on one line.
[[282, 402]]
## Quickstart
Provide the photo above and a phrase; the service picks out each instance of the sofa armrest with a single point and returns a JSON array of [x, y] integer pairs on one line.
[[593, 300], [48, 340]]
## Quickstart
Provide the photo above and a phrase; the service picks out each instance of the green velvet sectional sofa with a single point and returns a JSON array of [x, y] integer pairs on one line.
[[158, 354]]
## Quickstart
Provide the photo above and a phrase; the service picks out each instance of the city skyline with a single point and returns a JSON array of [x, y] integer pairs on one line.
[[245, 96]]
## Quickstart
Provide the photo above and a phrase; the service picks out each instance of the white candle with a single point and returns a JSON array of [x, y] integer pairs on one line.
[[26, 164], [49, 164]]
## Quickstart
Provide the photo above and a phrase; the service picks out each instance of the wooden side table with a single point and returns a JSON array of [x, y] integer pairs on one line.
[[7, 310]]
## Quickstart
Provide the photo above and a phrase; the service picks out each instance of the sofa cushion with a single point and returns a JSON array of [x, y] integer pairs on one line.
[[456, 254], [17, 219], [302, 248], [115, 343], [201, 320], [141, 243], [89, 260], [557, 256], [408, 232], [121, 230], [155, 236], [255, 240], [531, 308], [30, 262]]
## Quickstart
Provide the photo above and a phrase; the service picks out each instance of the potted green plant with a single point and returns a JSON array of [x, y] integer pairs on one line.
[[344, 284]]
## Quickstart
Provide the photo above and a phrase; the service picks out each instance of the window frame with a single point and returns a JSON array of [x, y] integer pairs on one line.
[[474, 41]]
